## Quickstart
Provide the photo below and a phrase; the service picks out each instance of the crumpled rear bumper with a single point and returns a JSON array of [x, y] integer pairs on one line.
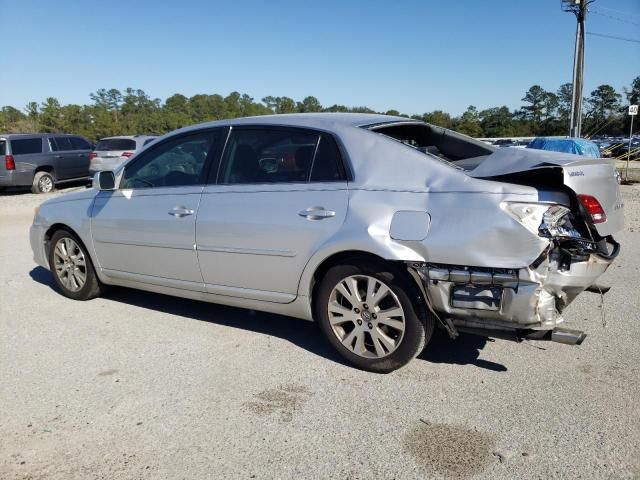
[[530, 298]]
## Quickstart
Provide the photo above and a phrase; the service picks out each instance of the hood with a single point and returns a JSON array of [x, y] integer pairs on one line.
[[84, 194], [596, 177]]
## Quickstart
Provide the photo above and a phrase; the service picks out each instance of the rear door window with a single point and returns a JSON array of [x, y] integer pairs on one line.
[[25, 146], [108, 144], [268, 156], [79, 143], [63, 144], [327, 165]]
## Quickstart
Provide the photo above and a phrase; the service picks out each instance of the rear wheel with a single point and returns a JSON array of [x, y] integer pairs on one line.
[[71, 266], [372, 316], [43, 182]]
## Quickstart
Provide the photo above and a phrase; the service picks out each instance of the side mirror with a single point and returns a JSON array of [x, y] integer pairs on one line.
[[105, 180]]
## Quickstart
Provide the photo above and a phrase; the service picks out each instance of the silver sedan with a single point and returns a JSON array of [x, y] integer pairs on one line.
[[379, 228]]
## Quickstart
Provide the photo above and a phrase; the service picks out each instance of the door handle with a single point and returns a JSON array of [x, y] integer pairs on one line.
[[316, 213], [59, 156], [181, 212]]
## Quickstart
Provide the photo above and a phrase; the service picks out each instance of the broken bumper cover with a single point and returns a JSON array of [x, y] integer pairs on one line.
[[530, 298]]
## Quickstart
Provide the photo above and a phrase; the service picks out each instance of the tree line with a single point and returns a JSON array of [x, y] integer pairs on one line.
[[132, 111]]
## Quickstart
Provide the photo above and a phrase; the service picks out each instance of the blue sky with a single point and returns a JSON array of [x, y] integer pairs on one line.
[[411, 55]]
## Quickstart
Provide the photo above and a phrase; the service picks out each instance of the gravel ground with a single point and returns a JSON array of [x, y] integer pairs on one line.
[[139, 385]]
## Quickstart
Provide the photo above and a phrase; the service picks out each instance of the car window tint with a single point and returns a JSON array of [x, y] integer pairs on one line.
[[327, 165], [25, 146], [148, 140], [79, 143], [268, 156], [171, 164], [63, 143], [3, 147], [107, 144]]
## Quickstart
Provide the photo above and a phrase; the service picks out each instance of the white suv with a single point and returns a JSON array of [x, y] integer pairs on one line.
[[112, 151]]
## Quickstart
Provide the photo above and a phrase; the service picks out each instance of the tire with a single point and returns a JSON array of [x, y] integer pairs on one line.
[[68, 271], [43, 182], [370, 352]]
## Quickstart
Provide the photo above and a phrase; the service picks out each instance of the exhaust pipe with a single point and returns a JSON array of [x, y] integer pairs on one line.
[[558, 335], [568, 337]]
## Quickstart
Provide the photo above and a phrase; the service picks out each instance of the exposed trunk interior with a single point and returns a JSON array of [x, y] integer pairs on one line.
[[437, 141]]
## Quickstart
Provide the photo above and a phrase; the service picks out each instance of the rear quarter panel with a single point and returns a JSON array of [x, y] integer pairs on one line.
[[466, 228]]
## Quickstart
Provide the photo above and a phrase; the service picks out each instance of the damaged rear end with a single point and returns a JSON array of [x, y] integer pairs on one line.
[[579, 208]]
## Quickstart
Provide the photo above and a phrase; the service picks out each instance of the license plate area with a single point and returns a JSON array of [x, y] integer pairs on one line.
[[476, 297]]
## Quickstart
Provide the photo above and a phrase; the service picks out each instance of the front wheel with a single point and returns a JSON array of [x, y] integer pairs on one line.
[[71, 266], [372, 316]]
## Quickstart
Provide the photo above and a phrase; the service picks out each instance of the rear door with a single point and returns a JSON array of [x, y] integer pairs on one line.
[[82, 148], [64, 157], [281, 193]]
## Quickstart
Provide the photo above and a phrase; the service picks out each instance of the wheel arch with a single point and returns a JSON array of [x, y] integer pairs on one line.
[[342, 257], [45, 168], [48, 234]]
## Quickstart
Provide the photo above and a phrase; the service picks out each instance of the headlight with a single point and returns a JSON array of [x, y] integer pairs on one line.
[[541, 219]]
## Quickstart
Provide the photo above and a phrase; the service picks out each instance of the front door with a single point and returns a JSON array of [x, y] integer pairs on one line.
[[145, 230], [281, 194]]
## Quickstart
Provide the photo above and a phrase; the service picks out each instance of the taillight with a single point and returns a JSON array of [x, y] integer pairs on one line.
[[92, 155], [9, 163], [593, 208], [126, 154]]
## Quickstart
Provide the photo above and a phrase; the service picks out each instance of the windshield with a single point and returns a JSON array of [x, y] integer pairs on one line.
[[116, 144]]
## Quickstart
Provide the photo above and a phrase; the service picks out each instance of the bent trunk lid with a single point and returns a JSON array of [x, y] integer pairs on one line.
[[588, 176]]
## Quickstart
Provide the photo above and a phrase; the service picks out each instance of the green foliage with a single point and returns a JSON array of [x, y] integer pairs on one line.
[[132, 111], [497, 122], [469, 122]]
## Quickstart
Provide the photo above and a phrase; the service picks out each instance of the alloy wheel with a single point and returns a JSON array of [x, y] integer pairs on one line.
[[366, 316], [45, 184], [70, 264]]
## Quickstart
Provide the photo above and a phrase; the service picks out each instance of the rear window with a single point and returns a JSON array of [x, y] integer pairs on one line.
[[116, 144], [3, 147], [79, 143], [25, 146]]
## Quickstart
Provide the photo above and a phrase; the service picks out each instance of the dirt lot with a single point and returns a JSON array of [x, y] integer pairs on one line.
[[138, 385]]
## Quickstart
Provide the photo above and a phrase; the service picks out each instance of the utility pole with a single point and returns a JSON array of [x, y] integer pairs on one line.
[[579, 8]]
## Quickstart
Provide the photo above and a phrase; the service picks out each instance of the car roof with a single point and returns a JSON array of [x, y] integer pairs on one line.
[[309, 120], [130, 137], [31, 135]]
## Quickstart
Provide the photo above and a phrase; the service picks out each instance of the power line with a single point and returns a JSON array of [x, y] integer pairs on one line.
[[620, 19], [627, 14], [614, 37]]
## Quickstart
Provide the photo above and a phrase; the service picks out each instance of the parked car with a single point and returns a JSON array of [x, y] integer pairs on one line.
[[576, 146], [110, 152], [42, 160], [364, 223]]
